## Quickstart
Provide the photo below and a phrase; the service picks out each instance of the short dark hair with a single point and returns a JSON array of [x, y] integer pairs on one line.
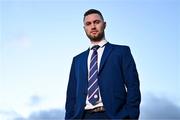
[[92, 11]]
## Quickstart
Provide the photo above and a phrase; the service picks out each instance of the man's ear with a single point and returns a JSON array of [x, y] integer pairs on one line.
[[104, 25]]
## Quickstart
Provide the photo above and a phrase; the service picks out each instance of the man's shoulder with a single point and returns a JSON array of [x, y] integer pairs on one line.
[[81, 54], [119, 47]]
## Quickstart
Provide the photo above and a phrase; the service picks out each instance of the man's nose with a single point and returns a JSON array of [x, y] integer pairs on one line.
[[93, 26]]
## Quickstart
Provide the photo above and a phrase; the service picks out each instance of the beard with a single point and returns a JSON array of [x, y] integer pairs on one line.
[[95, 38]]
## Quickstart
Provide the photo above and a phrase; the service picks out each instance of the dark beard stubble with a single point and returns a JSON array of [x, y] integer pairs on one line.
[[96, 38]]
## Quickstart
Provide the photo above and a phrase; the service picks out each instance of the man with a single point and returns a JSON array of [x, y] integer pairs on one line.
[[103, 81]]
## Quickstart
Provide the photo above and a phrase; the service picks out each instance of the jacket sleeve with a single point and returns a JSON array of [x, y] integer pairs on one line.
[[70, 94], [132, 84]]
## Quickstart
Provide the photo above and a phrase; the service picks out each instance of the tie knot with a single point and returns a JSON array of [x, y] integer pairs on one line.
[[95, 47]]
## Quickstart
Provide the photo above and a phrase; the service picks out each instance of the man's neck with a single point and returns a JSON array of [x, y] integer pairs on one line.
[[95, 42]]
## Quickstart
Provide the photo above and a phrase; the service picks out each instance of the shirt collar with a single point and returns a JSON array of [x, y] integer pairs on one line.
[[101, 43]]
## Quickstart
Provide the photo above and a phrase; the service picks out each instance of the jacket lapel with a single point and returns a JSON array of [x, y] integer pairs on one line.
[[85, 70], [84, 62], [107, 51]]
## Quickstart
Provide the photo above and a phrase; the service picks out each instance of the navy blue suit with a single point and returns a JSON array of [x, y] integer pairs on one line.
[[118, 82]]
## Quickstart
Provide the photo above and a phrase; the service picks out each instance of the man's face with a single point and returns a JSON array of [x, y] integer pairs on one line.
[[94, 27]]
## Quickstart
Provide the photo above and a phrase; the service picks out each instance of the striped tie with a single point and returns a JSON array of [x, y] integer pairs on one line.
[[93, 89]]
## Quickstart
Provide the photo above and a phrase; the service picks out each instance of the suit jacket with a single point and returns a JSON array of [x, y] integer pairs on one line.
[[118, 82]]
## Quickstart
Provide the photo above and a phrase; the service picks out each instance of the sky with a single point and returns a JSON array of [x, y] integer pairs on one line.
[[39, 38]]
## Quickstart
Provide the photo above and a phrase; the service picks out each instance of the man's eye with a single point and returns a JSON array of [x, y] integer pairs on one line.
[[97, 21], [88, 23]]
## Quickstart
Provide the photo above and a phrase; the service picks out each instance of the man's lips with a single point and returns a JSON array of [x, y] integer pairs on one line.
[[94, 32]]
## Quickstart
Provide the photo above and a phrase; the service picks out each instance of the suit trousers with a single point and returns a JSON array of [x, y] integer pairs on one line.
[[94, 115]]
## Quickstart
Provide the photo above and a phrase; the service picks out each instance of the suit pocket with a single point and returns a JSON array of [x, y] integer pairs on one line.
[[119, 101]]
